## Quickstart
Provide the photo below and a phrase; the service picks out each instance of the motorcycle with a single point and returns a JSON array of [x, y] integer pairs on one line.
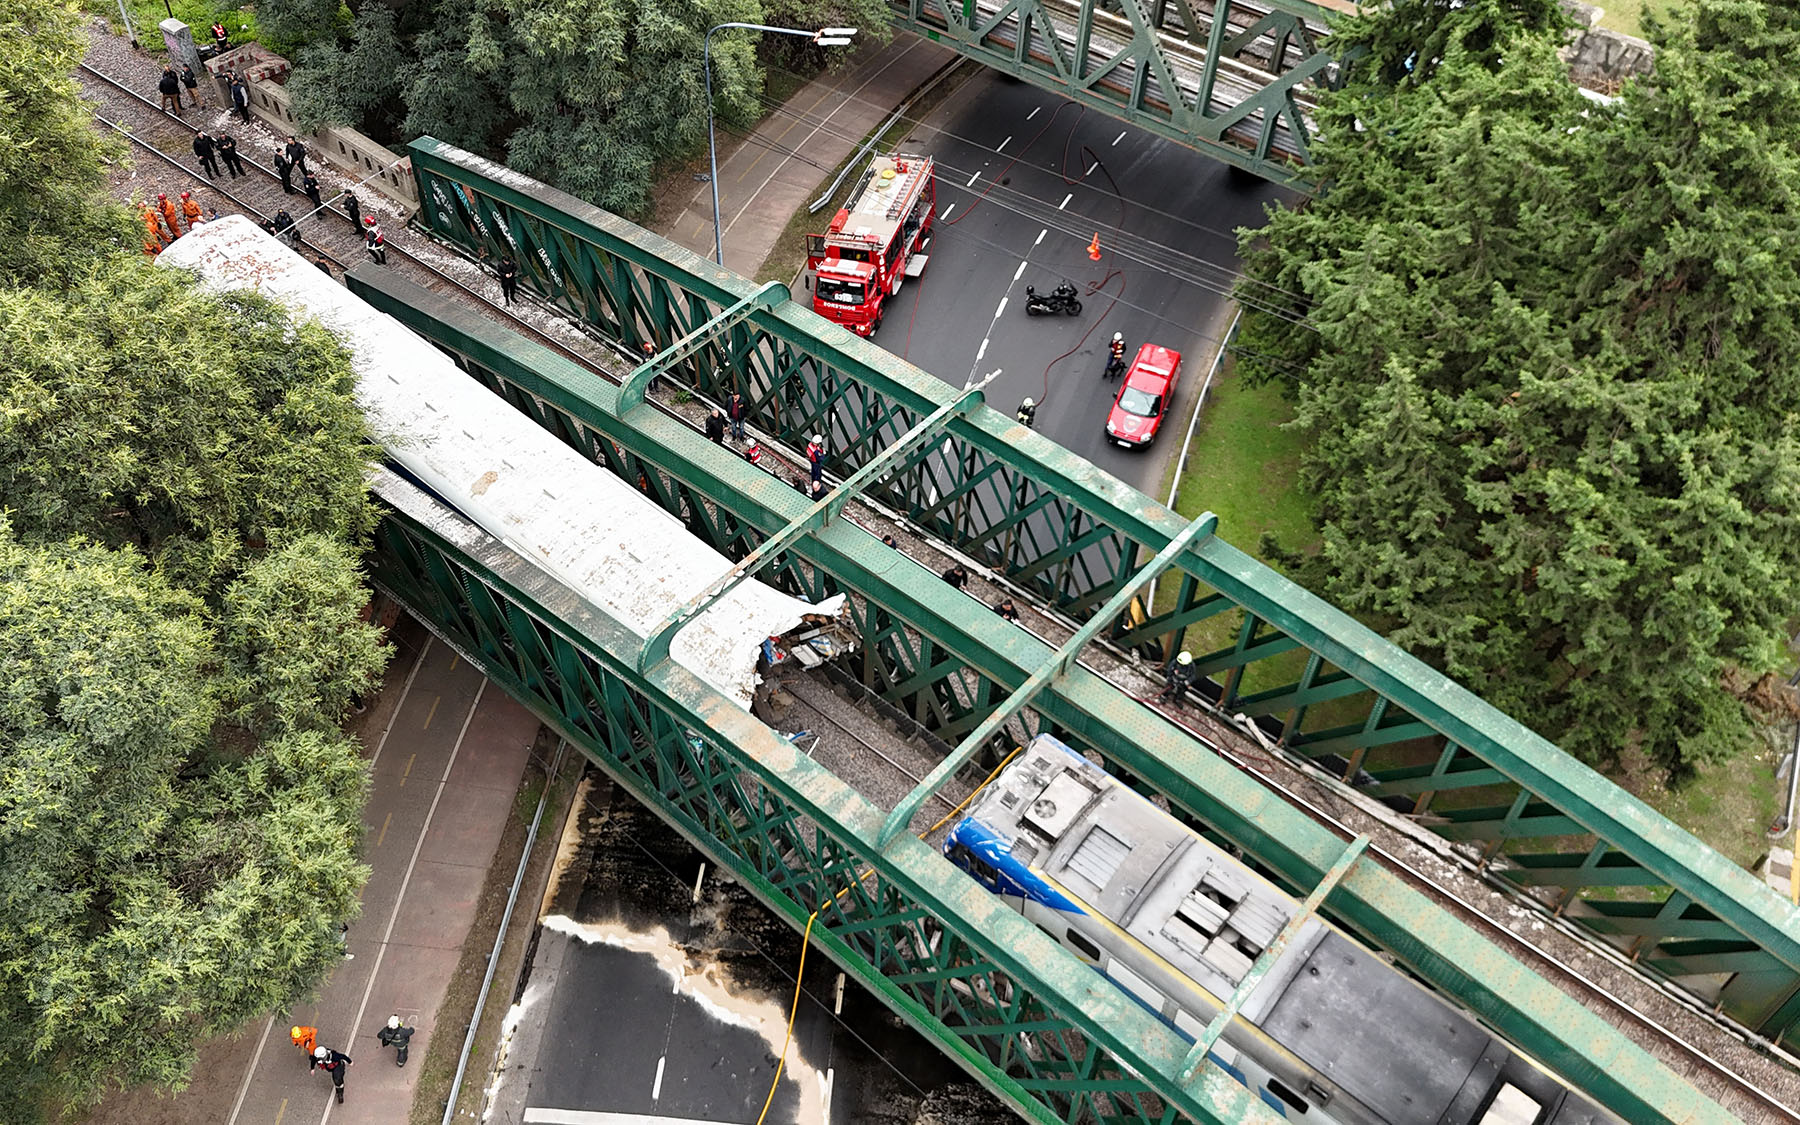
[[1062, 299]]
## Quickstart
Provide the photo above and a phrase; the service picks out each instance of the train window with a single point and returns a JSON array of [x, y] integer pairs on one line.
[[1292, 1100], [1083, 946]]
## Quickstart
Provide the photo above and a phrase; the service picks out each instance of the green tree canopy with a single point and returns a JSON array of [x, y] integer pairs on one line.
[[180, 627], [1544, 351]]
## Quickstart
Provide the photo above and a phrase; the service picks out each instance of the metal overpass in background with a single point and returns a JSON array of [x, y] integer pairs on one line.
[[1234, 79], [974, 977]]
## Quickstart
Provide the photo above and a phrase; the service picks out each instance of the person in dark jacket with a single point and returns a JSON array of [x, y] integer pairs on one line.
[[735, 410], [193, 86], [715, 426], [204, 148], [226, 145], [296, 154], [815, 456], [221, 37], [240, 98], [284, 227], [169, 85], [396, 1035], [1182, 674], [509, 278], [352, 208], [284, 168], [373, 241], [1005, 608], [310, 186], [333, 1063], [956, 576]]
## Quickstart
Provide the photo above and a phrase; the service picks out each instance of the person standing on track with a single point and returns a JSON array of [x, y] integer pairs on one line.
[[352, 208], [333, 1063], [240, 97], [815, 456], [736, 410], [284, 168], [509, 278], [190, 211], [310, 186], [171, 218], [226, 146], [715, 426], [169, 85], [286, 230], [204, 147], [193, 86], [296, 154], [373, 242]]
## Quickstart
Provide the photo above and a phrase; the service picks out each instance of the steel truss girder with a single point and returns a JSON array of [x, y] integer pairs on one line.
[[1233, 83], [1141, 743], [804, 375], [987, 987]]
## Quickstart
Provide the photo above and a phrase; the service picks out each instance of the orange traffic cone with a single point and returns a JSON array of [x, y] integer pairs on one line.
[[1094, 247]]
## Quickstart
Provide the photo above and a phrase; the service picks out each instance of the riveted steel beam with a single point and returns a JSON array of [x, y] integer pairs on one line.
[[631, 391], [1053, 669]]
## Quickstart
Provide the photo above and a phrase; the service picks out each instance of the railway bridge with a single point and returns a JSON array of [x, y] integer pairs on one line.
[[1234, 79], [1031, 1022]]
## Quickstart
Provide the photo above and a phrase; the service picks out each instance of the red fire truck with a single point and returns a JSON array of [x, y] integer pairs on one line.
[[874, 243]]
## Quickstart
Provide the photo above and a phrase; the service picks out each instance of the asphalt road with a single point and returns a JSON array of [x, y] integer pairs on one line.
[[1042, 187]]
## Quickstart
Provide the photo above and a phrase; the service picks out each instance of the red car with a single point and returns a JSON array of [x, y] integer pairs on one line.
[[1144, 397]]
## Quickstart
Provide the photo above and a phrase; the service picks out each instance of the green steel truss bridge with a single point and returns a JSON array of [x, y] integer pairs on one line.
[[972, 976], [1234, 79]]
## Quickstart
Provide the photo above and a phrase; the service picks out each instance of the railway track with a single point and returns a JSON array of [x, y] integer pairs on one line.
[[331, 236]]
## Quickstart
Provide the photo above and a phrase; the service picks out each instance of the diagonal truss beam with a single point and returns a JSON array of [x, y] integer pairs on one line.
[[631, 392], [1267, 958], [1048, 673], [819, 514]]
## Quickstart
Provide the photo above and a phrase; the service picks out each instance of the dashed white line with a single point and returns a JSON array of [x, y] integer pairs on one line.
[[1040, 237], [1033, 113], [837, 1003], [982, 350], [1065, 201], [1002, 306], [825, 1093], [1120, 137], [1003, 145], [656, 1090], [1020, 273], [949, 209], [973, 178], [1090, 170]]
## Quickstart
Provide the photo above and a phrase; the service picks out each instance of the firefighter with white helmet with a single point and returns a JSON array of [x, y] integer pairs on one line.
[[1115, 356]]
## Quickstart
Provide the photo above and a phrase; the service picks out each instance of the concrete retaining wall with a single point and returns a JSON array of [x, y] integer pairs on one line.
[[1602, 60]]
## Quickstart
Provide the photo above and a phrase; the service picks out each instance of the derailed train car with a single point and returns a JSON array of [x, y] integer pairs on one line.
[[1332, 1034]]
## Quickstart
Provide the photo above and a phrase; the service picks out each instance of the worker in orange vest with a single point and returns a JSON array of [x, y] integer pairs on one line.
[[153, 224], [190, 210], [171, 217], [305, 1038]]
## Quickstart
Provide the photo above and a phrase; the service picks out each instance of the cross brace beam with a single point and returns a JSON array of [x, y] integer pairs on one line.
[[1051, 671], [631, 391], [815, 518], [1266, 959]]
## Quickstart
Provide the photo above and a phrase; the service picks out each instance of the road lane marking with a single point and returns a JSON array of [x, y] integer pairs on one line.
[[1065, 201], [1003, 144], [698, 879], [1021, 272], [1041, 234], [982, 351], [973, 178], [949, 209], [837, 1003], [1090, 170], [455, 659], [387, 820], [1120, 137], [406, 881], [407, 772], [1003, 301], [824, 1094], [1033, 113], [282, 1112], [429, 715], [237, 1107], [656, 1088]]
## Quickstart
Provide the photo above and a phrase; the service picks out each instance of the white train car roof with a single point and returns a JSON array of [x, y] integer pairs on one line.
[[574, 519]]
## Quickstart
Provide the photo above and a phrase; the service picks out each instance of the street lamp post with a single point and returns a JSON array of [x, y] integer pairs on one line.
[[824, 37]]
